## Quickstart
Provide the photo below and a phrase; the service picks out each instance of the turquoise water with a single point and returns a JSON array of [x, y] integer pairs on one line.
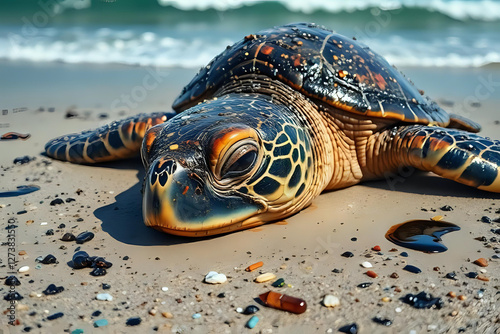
[[188, 33]]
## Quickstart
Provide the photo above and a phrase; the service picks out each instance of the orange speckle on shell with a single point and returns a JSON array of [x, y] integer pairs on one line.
[[343, 73], [267, 49], [173, 147], [185, 190]]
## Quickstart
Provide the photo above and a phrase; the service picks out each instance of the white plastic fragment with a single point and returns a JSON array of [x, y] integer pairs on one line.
[[23, 269], [366, 264], [43, 223], [104, 296], [265, 277], [331, 301], [214, 277]]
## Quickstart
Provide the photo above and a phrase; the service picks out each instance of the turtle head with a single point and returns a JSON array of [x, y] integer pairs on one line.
[[225, 165]]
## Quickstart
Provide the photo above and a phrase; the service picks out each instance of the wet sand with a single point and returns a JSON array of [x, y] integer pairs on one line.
[[304, 250]]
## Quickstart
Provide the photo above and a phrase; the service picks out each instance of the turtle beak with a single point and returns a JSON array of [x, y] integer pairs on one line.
[[177, 201]]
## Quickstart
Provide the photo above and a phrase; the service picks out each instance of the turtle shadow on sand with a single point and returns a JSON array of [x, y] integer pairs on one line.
[[425, 183], [122, 219]]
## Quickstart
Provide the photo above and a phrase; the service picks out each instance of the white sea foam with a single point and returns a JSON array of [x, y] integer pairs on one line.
[[149, 47], [485, 10]]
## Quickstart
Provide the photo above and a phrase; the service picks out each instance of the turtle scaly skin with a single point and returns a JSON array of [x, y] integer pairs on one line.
[[275, 120]]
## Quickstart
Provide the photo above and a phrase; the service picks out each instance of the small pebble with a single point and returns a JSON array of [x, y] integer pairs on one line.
[[482, 262], [452, 275], [98, 272], [239, 310], [404, 254], [134, 321], [398, 310], [68, 237], [251, 309], [349, 329], [84, 237], [81, 260], [377, 248], [49, 259], [394, 275], [49, 232], [412, 269], [196, 316], [386, 299], [12, 281], [153, 311], [451, 294], [100, 323], [347, 254], [167, 315], [385, 322], [479, 294], [52, 289], [252, 322], [486, 219], [214, 277], [106, 286], [331, 301], [372, 274], [104, 296], [446, 208], [423, 300], [461, 297], [364, 285], [472, 274], [164, 289], [265, 277], [13, 296], [483, 278], [96, 313], [23, 269], [57, 201], [366, 264], [437, 218], [55, 316]]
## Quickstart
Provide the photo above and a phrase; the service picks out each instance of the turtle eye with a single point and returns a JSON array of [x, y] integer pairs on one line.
[[239, 160]]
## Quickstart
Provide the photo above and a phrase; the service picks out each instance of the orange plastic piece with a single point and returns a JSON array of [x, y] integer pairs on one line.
[[254, 266], [283, 302]]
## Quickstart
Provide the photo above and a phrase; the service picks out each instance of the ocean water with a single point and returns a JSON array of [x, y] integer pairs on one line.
[[188, 33]]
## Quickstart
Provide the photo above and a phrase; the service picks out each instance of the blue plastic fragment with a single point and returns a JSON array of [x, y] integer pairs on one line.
[[100, 323], [252, 322]]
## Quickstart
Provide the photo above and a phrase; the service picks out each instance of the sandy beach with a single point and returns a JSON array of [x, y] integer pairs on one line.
[[305, 250]]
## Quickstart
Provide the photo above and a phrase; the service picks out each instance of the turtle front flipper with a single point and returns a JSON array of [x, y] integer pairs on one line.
[[118, 140]]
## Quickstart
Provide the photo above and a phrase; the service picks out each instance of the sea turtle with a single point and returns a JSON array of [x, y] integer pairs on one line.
[[273, 121]]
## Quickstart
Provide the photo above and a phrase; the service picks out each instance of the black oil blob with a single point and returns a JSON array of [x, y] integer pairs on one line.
[[21, 190], [421, 235]]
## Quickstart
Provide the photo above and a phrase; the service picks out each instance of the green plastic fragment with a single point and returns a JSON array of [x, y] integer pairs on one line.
[[279, 283]]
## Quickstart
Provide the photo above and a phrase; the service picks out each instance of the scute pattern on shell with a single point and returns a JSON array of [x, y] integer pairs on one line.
[[322, 65]]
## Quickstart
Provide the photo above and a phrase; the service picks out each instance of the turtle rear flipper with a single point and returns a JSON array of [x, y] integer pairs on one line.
[[463, 123], [457, 155], [118, 140]]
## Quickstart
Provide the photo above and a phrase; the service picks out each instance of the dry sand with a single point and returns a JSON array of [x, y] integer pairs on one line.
[[303, 250]]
